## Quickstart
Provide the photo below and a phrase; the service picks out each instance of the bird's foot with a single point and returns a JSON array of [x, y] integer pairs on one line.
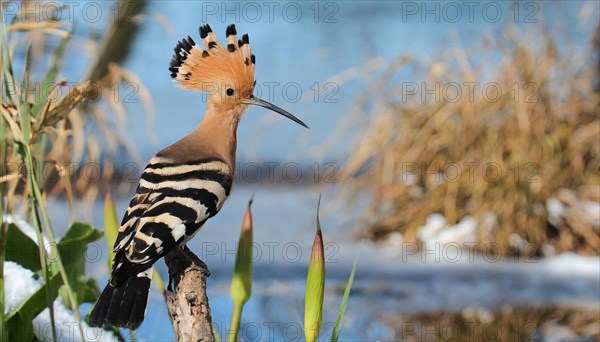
[[201, 265], [178, 260]]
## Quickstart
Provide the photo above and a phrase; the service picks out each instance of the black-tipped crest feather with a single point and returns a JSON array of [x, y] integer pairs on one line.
[[230, 31], [194, 67], [204, 30]]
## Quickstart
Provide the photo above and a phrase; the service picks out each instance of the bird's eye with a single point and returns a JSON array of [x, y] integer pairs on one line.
[[229, 91]]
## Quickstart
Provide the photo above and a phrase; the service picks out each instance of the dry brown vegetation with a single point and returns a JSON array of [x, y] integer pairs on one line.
[[488, 153], [533, 323]]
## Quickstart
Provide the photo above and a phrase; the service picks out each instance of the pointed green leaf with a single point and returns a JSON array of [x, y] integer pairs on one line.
[[21, 249], [72, 249], [90, 291], [73, 246]]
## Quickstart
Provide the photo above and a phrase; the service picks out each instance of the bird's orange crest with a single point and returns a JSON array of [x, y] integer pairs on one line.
[[217, 67]]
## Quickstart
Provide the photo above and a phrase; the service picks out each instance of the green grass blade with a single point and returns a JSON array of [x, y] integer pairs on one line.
[[35, 218], [24, 110], [7, 71], [39, 204], [340, 316], [3, 208], [216, 336], [160, 283]]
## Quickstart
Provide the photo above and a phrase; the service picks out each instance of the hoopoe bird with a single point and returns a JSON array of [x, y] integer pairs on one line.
[[186, 183]]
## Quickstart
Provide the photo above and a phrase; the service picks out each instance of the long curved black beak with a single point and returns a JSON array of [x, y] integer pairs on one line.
[[260, 102]]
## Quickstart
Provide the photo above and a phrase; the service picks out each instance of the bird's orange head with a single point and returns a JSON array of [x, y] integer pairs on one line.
[[226, 73]]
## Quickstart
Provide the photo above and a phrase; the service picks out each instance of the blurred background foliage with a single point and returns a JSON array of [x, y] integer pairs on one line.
[[520, 172], [499, 158], [83, 121]]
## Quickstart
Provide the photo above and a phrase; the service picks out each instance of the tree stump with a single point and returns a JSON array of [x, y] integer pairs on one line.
[[188, 304]]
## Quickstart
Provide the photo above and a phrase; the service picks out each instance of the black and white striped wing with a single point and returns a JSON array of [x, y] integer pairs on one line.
[[172, 202]]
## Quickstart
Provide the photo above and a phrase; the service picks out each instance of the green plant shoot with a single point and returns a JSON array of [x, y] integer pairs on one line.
[[111, 227], [241, 281], [315, 286]]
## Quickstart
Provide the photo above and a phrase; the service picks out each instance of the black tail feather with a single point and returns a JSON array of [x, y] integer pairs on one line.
[[98, 314], [122, 306]]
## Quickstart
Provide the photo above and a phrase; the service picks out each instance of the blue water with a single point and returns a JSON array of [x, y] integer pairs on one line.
[[390, 280]]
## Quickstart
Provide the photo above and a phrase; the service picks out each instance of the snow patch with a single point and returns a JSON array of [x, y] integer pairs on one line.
[[566, 205], [436, 231], [571, 264], [22, 285]]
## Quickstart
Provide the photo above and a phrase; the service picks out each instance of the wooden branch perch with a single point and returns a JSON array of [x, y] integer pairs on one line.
[[188, 304]]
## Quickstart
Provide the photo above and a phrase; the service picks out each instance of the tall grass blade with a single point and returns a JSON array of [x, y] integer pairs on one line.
[[36, 223], [24, 110], [160, 283], [39, 204], [7, 72], [3, 207], [340, 316], [3, 210]]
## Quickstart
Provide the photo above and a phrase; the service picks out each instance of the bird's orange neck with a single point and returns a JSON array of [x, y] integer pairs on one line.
[[217, 133]]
